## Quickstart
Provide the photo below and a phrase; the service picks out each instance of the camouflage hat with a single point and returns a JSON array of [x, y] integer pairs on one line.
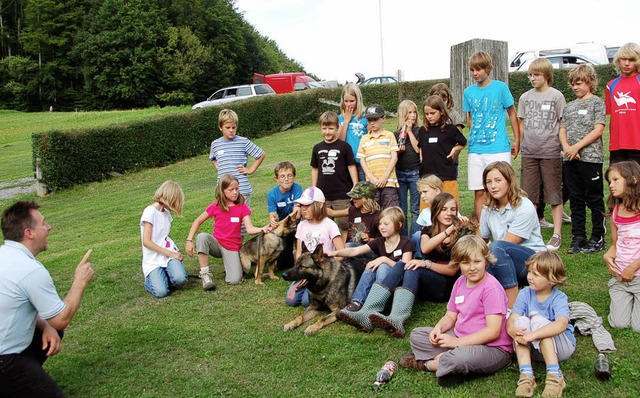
[[363, 189]]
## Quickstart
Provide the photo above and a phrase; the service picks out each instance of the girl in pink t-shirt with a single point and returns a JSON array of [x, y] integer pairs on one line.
[[471, 337], [623, 257], [229, 213]]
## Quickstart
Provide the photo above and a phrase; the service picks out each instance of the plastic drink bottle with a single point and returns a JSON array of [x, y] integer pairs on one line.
[[603, 370], [402, 137], [385, 374]]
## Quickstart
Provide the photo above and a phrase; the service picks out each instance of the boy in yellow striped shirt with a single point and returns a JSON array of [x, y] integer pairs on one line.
[[378, 154]]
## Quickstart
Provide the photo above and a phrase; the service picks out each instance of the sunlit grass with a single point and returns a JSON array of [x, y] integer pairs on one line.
[[230, 342]]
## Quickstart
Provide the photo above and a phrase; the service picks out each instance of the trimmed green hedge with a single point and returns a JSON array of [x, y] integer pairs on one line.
[[66, 158]]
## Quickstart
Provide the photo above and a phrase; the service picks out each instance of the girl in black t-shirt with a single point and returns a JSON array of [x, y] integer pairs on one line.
[[431, 277]]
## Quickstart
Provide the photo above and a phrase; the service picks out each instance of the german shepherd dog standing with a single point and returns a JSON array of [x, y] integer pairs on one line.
[[264, 249], [330, 282]]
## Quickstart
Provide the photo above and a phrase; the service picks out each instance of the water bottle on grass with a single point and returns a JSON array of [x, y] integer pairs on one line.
[[603, 370], [385, 374]]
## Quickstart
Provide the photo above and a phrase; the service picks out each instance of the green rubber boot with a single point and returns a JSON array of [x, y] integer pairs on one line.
[[400, 310], [376, 300]]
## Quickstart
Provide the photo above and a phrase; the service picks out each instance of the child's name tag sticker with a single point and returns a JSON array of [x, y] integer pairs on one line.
[[634, 233], [282, 204], [545, 107], [433, 140], [397, 253], [459, 299], [221, 152], [367, 144], [357, 220], [235, 219], [582, 112]]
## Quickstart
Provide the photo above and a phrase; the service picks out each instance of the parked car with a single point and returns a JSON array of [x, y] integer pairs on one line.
[[235, 93], [561, 61], [380, 80], [592, 50], [611, 52]]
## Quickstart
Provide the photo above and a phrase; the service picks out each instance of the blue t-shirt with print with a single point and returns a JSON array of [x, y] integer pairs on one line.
[[355, 131], [487, 106]]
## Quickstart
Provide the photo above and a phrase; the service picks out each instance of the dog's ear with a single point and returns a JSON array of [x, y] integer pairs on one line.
[[304, 247], [318, 254]]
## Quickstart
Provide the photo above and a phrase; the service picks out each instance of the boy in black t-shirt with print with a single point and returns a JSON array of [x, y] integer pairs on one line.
[[333, 168]]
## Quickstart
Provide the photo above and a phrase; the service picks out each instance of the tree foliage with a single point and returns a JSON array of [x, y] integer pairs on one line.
[[109, 54]]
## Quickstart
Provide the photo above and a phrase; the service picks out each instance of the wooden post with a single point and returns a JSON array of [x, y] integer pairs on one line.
[[41, 188], [459, 66]]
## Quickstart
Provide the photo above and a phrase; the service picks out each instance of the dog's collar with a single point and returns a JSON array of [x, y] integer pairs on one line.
[[271, 232]]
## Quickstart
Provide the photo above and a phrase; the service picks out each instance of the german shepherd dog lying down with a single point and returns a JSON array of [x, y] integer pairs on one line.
[[330, 282], [263, 250]]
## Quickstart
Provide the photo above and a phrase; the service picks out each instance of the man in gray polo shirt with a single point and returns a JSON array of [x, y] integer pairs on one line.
[[33, 315]]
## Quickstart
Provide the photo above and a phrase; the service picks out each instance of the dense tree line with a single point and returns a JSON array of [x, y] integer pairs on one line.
[[119, 54]]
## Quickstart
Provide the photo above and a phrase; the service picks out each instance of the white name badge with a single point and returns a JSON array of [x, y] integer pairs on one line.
[[235, 219], [397, 253], [433, 140], [357, 220], [221, 152], [545, 107], [459, 299], [582, 112], [282, 204]]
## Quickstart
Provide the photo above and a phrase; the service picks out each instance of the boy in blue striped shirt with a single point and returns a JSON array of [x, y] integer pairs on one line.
[[230, 153]]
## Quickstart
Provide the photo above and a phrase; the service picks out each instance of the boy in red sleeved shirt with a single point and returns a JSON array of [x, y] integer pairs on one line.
[[622, 99]]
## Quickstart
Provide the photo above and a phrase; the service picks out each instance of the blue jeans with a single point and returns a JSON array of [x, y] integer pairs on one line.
[[296, 298], [510, 269], [161, 280], [394, 277], [428, 284], [364, 257], [415, 238], [367, 279], [361, 175], [408, 190]]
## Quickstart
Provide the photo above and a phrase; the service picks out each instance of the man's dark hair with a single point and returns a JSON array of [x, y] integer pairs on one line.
[[16, 218]]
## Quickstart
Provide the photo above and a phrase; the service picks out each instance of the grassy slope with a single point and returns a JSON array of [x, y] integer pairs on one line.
[[230, 342], [17, 127]]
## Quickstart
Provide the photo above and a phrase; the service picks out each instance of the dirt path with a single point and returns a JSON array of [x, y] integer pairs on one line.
[[14, 188]]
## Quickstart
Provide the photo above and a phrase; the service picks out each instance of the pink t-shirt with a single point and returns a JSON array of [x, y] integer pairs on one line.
[[314, 234], [226, 224], [628, 243], [474, 303]]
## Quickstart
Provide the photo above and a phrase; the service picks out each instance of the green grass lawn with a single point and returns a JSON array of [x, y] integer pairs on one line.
[[16, 129], [230, 342]]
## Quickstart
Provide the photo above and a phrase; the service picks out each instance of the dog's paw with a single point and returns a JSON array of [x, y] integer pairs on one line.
[[289, 326], [312, 329], [258, 282], [274, 278]]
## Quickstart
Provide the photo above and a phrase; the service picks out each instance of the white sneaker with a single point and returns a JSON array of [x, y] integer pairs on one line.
[[566, 218], [554, 243], [545, 224], [207, 281]]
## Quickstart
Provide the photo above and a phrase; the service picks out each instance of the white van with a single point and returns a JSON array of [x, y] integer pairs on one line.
[[593, 50]]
